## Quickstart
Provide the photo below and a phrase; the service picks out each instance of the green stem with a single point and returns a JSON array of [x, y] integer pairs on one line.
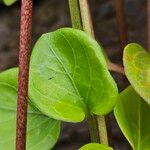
[[76, 23], [86, 17], [97, 125], [102, 130], [88, 28], [75, 14], [93, 128]]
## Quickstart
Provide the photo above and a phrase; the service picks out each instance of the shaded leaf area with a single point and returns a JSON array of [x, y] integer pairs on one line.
[[42, 132], [95, 146], [133, 116], [137, 68], [69, 77]]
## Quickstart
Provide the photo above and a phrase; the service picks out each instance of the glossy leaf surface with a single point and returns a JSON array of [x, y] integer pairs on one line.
[[95, 146], [133, 116], [137, 69], [69, 77], [42, 132]]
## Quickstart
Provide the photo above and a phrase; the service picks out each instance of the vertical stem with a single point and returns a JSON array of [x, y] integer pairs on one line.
[[97, 126], [76, 23], [109, 130], [87, 25], [148, 23], [24, 52], [102, 130], [88, 28], [93, 128], [75, 14], [86, 17], [121, 21]]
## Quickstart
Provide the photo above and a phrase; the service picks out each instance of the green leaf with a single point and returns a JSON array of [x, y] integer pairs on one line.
[[137, 69], [42, 132], [95, 146], [133, 116], [9, 2], [69, 77]]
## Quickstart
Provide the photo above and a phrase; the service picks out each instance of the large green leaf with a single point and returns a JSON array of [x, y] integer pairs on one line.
[[69, 77], [137, 69], [95, 146], [9, 2], [133, 116], [42, 132]]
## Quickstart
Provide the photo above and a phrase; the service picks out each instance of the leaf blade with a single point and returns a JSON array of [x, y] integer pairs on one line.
[[95, 146], [78, 75], [137, 63], [132, 114], [42, 132]]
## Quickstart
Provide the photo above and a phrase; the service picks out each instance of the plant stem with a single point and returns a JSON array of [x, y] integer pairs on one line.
[[102, 130], [75, 14], [97, 125], [24, 55], [76, 23], [86, 17], [121, 21], [88, 28], [109, 130], [93, 128], [115, 68], [87, 25]]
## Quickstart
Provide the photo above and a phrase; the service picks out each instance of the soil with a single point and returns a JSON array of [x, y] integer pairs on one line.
[[51, 15]]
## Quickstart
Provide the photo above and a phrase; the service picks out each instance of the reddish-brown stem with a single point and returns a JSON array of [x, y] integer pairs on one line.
[[121, 21], [148, 23], [115, 67], [24, 53]]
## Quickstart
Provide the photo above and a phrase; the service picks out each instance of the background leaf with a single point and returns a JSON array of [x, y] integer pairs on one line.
[[69, 77], [9, 2], [133, 116], [95, 146], [137, 69], [42, 132]]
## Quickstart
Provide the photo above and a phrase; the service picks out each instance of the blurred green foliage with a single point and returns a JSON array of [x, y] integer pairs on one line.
[[9, 2]]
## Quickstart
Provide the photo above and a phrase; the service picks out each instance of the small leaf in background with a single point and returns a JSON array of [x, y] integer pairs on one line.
[[42, 132], [69, 77], [133, 116], [9, 2], [137, 69], [95, 146]]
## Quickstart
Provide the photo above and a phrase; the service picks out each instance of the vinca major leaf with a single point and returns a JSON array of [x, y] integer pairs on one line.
[[69, 77], [133, 116], [9, 2], [95, 146], [137, 69], [42, 132]]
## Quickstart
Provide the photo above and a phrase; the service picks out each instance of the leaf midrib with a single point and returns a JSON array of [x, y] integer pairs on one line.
[[89, 66], [59, 60]]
